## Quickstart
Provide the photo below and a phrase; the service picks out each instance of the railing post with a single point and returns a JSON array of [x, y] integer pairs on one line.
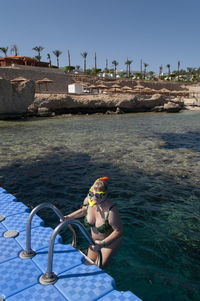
[[49, 277], [28, 252]]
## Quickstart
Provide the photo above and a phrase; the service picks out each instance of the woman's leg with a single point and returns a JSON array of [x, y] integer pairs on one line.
[[109, 251], [92, 254]]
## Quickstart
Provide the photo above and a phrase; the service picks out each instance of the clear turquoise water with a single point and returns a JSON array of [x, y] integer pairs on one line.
[[153, 162]]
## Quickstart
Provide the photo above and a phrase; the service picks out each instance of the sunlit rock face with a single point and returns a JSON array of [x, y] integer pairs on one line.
[[15, 98]]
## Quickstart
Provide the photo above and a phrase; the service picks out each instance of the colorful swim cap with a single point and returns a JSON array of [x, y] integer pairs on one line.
[[102, 179]]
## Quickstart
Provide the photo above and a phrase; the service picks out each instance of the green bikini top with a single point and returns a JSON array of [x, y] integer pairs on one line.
[[103, 228]]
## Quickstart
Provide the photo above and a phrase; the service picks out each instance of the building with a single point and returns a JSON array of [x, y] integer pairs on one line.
[[75, 88], [21, 60]]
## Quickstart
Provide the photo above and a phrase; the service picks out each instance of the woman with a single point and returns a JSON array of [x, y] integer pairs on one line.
[[103, 218]]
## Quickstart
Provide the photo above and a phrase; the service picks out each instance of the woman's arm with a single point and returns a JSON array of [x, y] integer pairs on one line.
[[78, 213]]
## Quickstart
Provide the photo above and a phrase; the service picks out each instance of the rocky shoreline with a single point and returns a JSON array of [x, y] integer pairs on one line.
[[20, 100], [115, 103]]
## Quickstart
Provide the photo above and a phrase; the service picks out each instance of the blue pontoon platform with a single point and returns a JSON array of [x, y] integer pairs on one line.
[[76, 280]]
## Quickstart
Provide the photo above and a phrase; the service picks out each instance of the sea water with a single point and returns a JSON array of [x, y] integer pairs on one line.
[[153, 165]]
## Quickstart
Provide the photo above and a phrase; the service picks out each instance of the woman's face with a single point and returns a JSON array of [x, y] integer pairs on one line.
[[96, 195]]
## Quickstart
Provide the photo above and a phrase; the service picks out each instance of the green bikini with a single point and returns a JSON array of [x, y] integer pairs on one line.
[[103, 228]]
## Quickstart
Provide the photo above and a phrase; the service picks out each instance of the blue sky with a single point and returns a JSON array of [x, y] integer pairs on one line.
[[156, 31]]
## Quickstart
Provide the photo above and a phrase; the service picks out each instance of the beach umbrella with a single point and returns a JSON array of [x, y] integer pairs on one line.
[[138, 86], [43, 81], [164, 90], [126, 89], [92, 87], [115, 86], [137, 90], [148, 90], [102, 86], [18, 79], [115, 89]]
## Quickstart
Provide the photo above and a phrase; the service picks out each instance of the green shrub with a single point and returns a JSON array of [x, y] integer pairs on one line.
[[69, 68], [52, 66]]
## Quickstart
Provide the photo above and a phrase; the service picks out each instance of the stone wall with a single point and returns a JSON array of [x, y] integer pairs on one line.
[[15, 98], [59, 78]]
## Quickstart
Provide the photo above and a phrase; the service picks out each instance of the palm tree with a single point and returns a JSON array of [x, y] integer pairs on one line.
[[57, 53], [49, 58], [128, 67], [95, 62], [69, 60], [106, 64], [14, 49], [38, 58], [145, 68], [168, 66], [141, 67], [160, 70], [38, 49], [178, 68], [115, 63], [84, 55], [77, 67], [4, 50]]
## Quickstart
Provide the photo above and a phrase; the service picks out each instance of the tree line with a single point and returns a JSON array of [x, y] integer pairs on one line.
[[140, 74]]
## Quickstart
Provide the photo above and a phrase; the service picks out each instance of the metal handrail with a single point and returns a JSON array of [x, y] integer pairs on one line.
[[49, 277], [28, 252]]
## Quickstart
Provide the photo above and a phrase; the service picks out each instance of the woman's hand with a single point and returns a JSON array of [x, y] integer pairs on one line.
[[65, 218], [98, 245]]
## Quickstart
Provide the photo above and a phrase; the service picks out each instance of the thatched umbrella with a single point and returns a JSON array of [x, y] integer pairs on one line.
[[164, 90], [137, 90], [82, 84], [115, 87], [92, 87], [18, 79], [102, 86], [126, 89], [148, 90], [43, 81], [138, 86]]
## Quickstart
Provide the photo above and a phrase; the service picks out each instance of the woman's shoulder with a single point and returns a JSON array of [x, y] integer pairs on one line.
[[111, 207]]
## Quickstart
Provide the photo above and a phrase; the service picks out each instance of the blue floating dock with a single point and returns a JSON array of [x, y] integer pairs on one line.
[[19, 279]]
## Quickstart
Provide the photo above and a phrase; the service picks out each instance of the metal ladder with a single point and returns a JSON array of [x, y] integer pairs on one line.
[[49, 277]]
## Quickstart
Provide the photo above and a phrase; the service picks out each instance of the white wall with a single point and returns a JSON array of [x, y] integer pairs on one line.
[[78, 89]]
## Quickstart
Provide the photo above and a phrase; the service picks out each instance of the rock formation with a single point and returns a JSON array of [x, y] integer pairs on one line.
[[15, 98], [100, 103]]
